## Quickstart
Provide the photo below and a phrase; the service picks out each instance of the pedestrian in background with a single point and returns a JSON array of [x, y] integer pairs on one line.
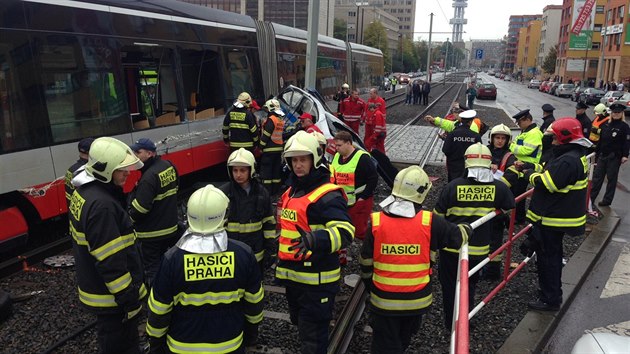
[[394, 83], [409, 92], [471, 94], [417, 91], [426, 90]]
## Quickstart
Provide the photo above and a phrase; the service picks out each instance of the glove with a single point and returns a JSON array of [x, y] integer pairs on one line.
[[302, 244], [467, 231]]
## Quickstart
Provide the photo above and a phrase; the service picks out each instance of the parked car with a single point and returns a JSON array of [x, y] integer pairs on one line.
[[552, 89], [491, 72], [565, 90], [507, 78], [487, 90], [575, 96], [610, 97], [403, 79], [497, 74], [544, 86], [591, 96], [534, 83], [624, 100]]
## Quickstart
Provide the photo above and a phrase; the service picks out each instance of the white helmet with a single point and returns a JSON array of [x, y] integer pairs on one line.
[[478, 155], [244, 99], [273, 106], [345, 86], [412, 184], [107, 155], [300, 144], [207, 207], [600, 109], [321, 139], [501, 129], [242, 157]]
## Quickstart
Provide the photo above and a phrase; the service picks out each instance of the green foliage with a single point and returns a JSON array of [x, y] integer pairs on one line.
[[375, 36], [549, 64], [340, 29]]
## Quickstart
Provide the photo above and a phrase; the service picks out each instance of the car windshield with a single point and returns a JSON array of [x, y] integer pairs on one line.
[[596, 91], [487, 86], [618, 93], [568, 86], [625, 97]]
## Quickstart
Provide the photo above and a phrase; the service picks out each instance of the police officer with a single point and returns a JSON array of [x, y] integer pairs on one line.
[[353, 110], [314, 225], [527, 147], [250, 218], [547, 119], [353, 170], [272, 143], [84, 149], [239, 125], [601, 117], [558, 206], [612, 152], [396, 260], [208, 294], [108, 264], [580, 115], [464, 200], [453, 120], [153, 206], [457, 142]]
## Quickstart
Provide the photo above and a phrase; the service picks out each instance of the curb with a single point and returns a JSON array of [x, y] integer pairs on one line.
[[532, 333]]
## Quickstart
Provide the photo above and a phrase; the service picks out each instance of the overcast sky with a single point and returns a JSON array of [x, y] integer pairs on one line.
[[487, 19]]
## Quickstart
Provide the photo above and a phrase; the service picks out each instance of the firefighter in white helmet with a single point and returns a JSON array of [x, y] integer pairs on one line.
[[464, 200], [207, 295], [108, 263], [314, 225], [240, 129], [342, 95], [250, 219], [396, 259]]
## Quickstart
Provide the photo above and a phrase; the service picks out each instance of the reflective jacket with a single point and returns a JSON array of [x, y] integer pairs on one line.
[[240, 129], [596, 128], [250, 218], [559, 199], [380, 104], [353, 110], [206, 302], [271, 139], [396, 260], [465, 200], [345, 175], [153, 206], [504, 160], [449, 125], [108, 265], [318, 206], [69, 176], [528, 145], [454, 148]]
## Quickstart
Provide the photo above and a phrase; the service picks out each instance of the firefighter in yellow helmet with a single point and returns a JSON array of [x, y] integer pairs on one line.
[[207, 296], [250, 219], [108, 264], [464, 200], [239, 125], [396, 260], [272, 143], [314, 225]]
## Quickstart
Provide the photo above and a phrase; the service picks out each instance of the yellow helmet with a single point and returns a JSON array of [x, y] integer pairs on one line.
[[321, 139], [501, 129], [301, 144], [245, 99], [478, 155], [207, 207], [242, 157], [107, 155], [600, 109], [345, 86], [273, 105], [412, 184]]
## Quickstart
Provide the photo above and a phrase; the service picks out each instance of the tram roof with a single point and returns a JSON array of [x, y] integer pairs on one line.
[[302, 35]]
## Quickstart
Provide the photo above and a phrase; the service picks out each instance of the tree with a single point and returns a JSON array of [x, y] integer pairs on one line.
[[340, 29], [375, 36], [549, 64]]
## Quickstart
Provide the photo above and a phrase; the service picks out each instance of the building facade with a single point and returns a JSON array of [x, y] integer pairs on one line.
[[615, 52], [485, 53], [511, 48], [527, 65], [403, 10], [358, 19], [549, 33]]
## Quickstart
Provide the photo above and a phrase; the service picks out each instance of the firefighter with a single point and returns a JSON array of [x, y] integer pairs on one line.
[[580, 115], [108, 264], [353, 110], [84, 149], [558, 206], [527, 147], [314, 225], [375, 129], [396, 259], [272, 143], [503, 168], [239, 125], [153, 206], [547, 119], [353, 170], [612, 152], [601, 117], [464, 200], [342, 95], [208, 295], [323, 144], [457, 142], [250, 219]]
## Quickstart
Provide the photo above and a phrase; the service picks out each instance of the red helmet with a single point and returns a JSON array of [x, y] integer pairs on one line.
[[567, 129]]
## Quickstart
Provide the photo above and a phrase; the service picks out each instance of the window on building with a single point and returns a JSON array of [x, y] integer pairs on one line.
[[352, 14], [597, 28], [592, 64], [400, 11], [408, 11], [595, 45], [618, 40], [599, 9], [621, 12], [608, 16], [409, 2]]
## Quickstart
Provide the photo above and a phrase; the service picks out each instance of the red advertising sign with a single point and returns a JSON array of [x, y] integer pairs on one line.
[[583, 16]]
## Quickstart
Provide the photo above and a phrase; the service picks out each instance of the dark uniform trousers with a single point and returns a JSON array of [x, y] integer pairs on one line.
[[608, 166], [116, 336], [499, 223], [549, 264], [271, 171], [519, 188], [447, 274], [152, 251], [391, 330], [311, 310]]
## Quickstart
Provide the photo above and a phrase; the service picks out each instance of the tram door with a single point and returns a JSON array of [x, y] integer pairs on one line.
[[150, 81]]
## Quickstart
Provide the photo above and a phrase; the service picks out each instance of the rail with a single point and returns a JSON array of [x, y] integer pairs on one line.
[[460, 338]]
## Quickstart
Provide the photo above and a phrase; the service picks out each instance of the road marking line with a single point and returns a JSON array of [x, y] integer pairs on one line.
[[619, 281]]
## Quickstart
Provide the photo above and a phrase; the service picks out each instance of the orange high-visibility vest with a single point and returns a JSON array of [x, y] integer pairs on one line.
[[596, 129], [402, 252]]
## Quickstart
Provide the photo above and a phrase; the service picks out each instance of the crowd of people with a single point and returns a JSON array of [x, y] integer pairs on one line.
[[202, 281]]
